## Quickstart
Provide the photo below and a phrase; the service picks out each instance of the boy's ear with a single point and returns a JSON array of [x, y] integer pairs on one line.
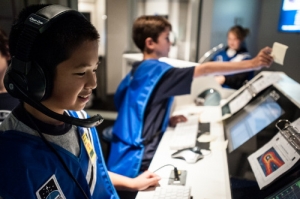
[[149, 43]]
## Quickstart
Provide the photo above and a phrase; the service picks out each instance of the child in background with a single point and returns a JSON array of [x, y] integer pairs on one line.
[[235, 51]]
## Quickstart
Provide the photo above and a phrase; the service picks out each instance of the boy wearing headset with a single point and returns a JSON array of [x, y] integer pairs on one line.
[[145, 95], [46, 151]]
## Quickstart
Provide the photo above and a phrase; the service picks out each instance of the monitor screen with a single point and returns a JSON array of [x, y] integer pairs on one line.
[[289, 20], [292, 190], [251, 120]]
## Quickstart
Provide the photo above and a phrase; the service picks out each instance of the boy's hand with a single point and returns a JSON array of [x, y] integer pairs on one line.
[[145, 180], [176, 119], [220, 79], [263, 58]]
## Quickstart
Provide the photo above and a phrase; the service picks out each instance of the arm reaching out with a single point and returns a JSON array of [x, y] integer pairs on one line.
[[141, 182], [262, 59]]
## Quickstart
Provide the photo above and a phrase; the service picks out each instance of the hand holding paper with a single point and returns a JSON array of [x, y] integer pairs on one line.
[[262, 59], [278, 52]]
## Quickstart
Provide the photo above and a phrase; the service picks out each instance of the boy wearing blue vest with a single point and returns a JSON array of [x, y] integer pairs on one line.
[[144, 97], [47, 151]]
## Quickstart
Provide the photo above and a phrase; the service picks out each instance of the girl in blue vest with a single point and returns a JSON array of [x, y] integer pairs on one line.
[[45, 150], [235, 51]]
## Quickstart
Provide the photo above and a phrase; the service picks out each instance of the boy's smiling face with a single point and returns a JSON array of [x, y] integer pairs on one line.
[[75, 79]]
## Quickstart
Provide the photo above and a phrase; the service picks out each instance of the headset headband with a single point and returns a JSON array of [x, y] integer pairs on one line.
[[36, 24]]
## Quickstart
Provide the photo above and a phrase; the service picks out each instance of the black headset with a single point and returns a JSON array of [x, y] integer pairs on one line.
[[26, 79]]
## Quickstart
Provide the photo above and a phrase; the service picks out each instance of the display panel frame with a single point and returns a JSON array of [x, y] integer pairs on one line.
[[270, 130]]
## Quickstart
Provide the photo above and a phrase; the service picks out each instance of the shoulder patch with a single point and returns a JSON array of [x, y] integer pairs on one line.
[[3, 114], [50, 190]]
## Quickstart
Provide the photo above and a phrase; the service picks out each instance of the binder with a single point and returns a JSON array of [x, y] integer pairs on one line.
[[290, 133], [250, 91], [283, 151]]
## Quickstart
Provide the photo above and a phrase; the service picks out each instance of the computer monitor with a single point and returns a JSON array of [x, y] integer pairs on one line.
[[251, 120], [291, 190], [261, 113], [257, 120], [289, 20]]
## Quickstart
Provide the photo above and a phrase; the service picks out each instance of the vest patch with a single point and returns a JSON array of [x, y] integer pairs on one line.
[[3, 114], [50, 190]]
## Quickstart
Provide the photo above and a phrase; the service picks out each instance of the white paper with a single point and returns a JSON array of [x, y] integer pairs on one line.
[[278, 152], [278, 52], [240, 101], [264, 82]]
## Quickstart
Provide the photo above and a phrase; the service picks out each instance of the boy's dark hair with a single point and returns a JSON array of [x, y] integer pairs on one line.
[[57, 43], [148, 26], [3, 43]]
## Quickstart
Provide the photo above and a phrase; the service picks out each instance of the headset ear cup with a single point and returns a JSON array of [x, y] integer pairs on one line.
[[48, 80], [13, 82], [32, 84], [36, 82]]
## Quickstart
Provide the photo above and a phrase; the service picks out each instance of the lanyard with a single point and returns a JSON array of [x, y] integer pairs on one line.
[[87, 144]]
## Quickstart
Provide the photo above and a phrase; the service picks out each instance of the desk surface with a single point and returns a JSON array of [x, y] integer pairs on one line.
[[208, 178]]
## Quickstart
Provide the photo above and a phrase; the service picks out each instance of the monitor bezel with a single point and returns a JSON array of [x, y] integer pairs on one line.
[[279, 24], [285, 104]]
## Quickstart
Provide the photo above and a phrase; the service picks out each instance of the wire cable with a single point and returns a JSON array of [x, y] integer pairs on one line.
[[176, 174], [163, 167]]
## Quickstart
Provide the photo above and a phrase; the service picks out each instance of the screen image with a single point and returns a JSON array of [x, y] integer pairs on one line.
[[254, 118], [289, 20], [270, 161]]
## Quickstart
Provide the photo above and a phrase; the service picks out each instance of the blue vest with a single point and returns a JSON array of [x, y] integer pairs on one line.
[[131, 100], [237, 57], [223, 57], [28, 166]]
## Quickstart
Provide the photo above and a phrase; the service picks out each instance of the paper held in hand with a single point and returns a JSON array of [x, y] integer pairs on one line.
[[278, 52]]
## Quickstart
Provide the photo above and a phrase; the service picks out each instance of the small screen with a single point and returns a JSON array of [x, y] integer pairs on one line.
[[251, 120], [289, 20], [292, 190]]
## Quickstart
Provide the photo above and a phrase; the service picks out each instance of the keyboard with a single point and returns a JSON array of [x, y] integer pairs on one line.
[[185, 134], [172, 192]]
